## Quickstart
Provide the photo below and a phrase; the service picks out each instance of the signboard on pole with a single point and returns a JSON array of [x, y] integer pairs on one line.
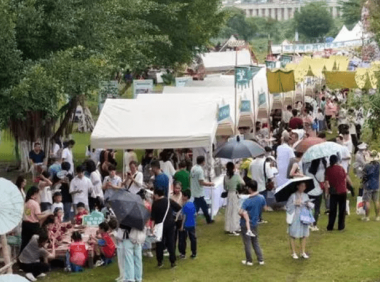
[[107, 89], [262, 98], [224, 113], [142, 87]]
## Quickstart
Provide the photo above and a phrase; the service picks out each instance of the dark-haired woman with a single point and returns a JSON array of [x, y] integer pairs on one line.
[[21, 183], [231, 184], [32, 216]]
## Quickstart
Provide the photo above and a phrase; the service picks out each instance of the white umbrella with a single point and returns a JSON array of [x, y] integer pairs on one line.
[[11, 206], [12, 278], [323, 150]]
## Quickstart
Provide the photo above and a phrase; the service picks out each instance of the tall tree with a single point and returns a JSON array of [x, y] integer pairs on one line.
[[239, 25], [351, 11], [314, 21]]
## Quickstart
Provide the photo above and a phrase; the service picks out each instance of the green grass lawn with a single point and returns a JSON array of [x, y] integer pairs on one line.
[[352, 255]]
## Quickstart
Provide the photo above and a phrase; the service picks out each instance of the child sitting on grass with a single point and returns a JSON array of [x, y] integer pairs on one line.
[[77, 255], [81, 211], [104, 246]]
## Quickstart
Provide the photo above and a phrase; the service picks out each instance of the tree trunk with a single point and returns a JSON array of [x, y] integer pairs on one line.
[[68, 117]]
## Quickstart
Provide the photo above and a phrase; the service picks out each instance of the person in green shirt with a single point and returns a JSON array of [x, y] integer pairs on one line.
[[183, 176]]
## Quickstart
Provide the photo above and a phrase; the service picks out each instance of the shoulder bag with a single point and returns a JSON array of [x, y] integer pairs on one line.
[[224, 193], [159, 227], [137, 236], [269, 184]]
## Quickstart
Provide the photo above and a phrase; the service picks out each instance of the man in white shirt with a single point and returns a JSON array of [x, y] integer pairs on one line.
[[80, 187], [287, 115], [345, 154], [284, 154], [134, 179], [111, 183], [67, 155]]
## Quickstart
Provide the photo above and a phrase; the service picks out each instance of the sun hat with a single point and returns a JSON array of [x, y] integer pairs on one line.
[[363, 146]]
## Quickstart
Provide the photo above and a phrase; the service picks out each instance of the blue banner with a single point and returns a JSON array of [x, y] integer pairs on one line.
[[224, 113]]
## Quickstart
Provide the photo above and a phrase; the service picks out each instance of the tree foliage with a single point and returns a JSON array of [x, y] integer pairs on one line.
[[238, 24], [314, 21], [54, 52], [351, 11]]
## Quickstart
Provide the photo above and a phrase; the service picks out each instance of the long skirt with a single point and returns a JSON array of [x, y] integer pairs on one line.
[[232, 213], [297, 229]]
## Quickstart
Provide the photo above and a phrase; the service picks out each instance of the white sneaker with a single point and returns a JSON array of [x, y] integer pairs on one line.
[[294, 256], [99, 263], [41, 275], [31, 277], [234, 234], [250, 233], [246, 263], [119, 279], [149, 254], [304, 255], [261, 262], [365, 218]]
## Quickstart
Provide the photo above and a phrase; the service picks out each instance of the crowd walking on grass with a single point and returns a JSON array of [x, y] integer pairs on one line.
[[171, 188]]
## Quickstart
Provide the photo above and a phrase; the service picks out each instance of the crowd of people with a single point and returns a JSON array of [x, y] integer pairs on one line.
[[173, 190]]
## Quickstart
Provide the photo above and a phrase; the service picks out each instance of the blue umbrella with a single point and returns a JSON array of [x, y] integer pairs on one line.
[[238, 149]]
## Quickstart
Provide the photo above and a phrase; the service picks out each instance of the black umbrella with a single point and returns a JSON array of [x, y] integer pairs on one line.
[[129, 209], [238, 149], [283, 192]]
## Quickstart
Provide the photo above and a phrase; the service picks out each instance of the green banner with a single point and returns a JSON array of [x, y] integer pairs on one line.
[[244, 75], [285, 60], [270, 64], [224, 113], [245, 106]]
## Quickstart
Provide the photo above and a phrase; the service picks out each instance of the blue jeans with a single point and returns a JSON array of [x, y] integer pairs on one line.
[[188, 231], [200, 203], [133, 267], [74, 267], [68, 214]]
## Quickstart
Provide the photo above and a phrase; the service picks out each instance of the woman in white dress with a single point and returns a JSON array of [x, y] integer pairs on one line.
[[231, 184]]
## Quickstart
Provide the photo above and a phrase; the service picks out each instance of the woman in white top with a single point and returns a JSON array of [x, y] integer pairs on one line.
[[134, 179], [167, 167], [46, 197], [97, 196], [21, 183], [316, 171]]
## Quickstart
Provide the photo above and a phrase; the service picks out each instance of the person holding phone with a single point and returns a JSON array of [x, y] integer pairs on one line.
[[133, 178]]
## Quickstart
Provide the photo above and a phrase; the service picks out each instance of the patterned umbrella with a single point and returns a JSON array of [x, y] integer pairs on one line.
[[307, 143], [323, 150], [12, 206]]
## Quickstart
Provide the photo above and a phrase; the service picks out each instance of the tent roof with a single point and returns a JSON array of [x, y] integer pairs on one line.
[[213, 81], [343, 35], [149, 124], [223, 61]]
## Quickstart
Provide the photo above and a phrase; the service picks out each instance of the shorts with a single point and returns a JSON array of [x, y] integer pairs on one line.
[[369, 195]]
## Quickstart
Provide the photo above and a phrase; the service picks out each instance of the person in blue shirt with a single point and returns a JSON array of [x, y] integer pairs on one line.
[[161, 180], [188, 226], [250, 213]]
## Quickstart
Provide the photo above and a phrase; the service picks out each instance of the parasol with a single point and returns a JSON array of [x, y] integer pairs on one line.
[[323, 150], [12, 206], [305, 144], [283, 192], [238, 149]]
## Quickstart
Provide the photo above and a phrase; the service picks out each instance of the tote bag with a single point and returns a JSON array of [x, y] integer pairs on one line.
[[306, 217], [159, 228], [360, 206]]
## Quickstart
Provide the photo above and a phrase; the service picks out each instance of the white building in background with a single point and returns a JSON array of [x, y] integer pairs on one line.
[[278, 9]]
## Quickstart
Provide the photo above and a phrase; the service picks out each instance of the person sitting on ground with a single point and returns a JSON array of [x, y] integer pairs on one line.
[[188, 227], [371, 174], [29, 259], [104, 246], [77, 255], [250, 213], [37, 160], [55, 167], [183, 176], [81, 211]]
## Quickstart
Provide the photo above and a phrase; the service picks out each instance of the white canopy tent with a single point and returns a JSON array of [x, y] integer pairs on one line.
[[343, 35], [145, 124], [212, 100], [224, 61], [216, 80]]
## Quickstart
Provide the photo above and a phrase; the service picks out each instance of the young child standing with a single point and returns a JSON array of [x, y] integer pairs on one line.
[[81, 211], [57, 201], [104, 246], [77, 255], [188, 226]]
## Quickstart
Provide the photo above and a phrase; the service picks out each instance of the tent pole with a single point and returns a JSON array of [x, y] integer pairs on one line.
[[236, 122], [254, 109]]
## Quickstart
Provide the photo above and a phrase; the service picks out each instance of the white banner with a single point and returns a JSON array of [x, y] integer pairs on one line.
[[142, 87]]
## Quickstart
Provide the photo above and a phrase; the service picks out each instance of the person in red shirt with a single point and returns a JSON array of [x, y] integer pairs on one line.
[[335, 185], [295, 122], [77, 255], [81, 211], [104, 245]]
